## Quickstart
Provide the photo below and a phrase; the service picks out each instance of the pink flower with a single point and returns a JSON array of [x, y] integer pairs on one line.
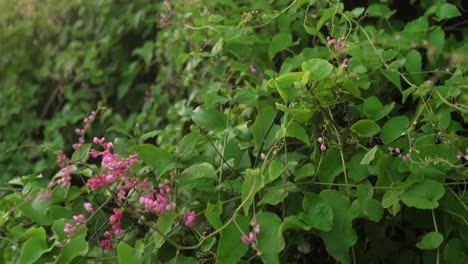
[[245, 239], [106, 244], [69, 228], [323, 147], [252, 68], [189, 218]]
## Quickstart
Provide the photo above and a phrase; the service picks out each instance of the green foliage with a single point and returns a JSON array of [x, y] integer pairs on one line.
[[337, 129]]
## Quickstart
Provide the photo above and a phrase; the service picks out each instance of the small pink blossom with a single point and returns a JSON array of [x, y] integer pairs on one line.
[[88, 207], [69, 228], [252, 68], [263, 156], [189, 218], [323, 147]]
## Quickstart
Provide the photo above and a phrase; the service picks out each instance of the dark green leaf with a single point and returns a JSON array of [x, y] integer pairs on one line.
[[198, 176], [270, 238], [424, 195], [317, 68], [317, 213], [209, 119], [230, 246], [365, 128], [394, 128], [158, 159]]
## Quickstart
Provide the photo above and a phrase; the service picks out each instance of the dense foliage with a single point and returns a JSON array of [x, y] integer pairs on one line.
[[233, 131]]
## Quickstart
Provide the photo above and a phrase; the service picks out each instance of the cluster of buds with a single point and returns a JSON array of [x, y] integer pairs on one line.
[[337, 44], [65, 176], [397, 151], [82, 131], [252, 237], [323, 147], [345, 63]]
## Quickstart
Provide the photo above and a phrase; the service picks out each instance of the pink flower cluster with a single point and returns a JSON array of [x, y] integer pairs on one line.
[[158, 200], [397, 151], [117, 230], [188, 218], [252, 237], [82, 131], [114, 166], [337, 44], [70, 229]]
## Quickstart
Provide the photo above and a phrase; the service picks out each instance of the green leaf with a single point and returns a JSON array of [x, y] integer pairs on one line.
[[351, 86], [288, 84], [274, 196], [294, 222], [275, 169], [413, 64], [146, 52], [259, 129], [128, 254], [36, 210], [431, 240], [393, 76], [329, 169], [251, 185], [374, 109], [356, 171], [380, 11], [394, 128], [209, 119], [77, 247], [279, 42], [158, 159], [230, 246], [198, 176], [447, 11], [342, 236], [455, 252], [297, 131], [365, 128], [185, 149], [318, 69], [372, 209], [213, 214], [270, 239], [164, 224], [370, 155], [424, 195], [35, 246], [308, 170], [317, 213], [417, 26], [180, 259], [372, 106]]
